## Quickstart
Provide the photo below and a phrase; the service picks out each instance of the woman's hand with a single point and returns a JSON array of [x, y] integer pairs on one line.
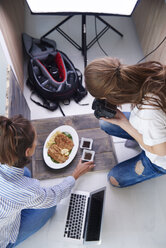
[[119, 119], [82, 168]]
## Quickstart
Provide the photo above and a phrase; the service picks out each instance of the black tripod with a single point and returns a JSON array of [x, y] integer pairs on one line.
[[84, 47]]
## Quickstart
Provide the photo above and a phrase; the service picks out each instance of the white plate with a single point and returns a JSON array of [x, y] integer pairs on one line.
[[73, 133]]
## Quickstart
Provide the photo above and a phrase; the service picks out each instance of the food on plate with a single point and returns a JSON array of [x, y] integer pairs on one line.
[[51, 139], [59, 146], [65, 152], [55, 153], [63, 141]]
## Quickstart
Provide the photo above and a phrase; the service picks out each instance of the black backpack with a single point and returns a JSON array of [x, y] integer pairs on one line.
[[51, 74]]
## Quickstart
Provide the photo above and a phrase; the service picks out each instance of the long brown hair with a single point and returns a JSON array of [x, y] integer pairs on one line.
[[16, 135], [120, 83]]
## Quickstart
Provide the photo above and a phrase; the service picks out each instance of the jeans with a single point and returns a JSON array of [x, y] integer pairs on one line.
[[134, 170], [32, 219]]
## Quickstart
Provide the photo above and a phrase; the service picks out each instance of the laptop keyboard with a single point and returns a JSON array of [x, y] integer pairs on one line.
[[73, 227]]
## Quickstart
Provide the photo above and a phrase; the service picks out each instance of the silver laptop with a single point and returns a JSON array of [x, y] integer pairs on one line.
[[84, 217]]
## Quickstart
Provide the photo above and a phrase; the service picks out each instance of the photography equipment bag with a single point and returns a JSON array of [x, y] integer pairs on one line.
[[102, 108], [51, 74]]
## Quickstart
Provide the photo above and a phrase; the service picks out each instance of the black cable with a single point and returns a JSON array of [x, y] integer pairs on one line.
[[140, 59], [61, 109], [152, 50], [97, 38]]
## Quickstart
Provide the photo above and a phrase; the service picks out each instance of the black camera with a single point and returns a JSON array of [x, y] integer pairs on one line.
[[102, 108]]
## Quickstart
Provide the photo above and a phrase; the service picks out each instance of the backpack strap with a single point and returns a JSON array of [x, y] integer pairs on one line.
[[50, 105], [44, 102]]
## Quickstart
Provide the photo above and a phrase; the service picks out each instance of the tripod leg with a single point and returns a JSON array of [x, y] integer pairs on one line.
[[114, 29], [57, 26]]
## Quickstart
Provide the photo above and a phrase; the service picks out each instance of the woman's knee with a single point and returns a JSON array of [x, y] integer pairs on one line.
[[114, 182], [107, 127], [112, 179]]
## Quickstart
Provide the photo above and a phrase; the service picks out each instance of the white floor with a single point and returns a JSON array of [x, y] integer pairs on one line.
[[134, 217]]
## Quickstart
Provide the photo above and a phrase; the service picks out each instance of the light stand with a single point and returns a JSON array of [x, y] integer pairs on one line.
[[84, 47], [83, 8]]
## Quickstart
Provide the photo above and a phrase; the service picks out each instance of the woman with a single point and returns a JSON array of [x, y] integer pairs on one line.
[[144, 87], [25, 206]]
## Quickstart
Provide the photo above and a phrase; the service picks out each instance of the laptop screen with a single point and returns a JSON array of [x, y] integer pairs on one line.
[[94, 217]]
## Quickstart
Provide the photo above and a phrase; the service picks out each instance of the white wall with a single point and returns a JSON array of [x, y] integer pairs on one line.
[[5, 61], [3, 79]]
